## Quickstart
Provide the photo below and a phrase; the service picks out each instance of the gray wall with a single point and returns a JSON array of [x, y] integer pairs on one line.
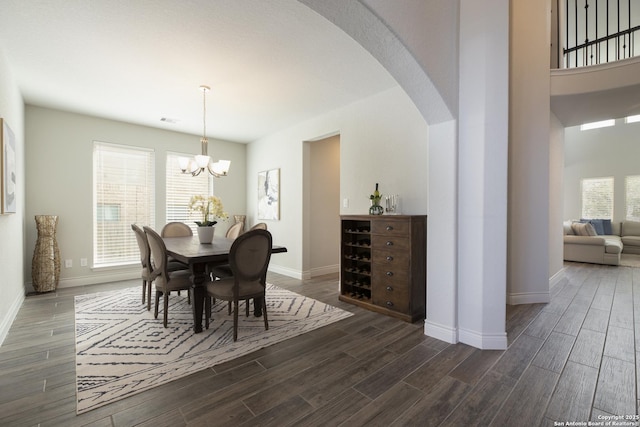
[[59, 154]]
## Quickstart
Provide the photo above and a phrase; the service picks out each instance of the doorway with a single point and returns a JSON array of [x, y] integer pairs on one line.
[[321, 206]]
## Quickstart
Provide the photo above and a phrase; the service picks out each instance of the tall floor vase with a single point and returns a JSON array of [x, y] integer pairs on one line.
[[45, 266]]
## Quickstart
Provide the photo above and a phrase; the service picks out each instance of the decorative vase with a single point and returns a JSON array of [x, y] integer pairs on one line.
[[205, 234], [45, 265], [375, 209]]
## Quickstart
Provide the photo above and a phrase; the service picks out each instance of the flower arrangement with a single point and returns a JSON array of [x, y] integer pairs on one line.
[[207, 206]]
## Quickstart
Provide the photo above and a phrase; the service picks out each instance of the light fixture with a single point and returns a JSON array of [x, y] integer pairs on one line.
[[199, 163]]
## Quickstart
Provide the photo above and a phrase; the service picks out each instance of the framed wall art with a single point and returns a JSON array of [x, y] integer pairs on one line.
[[8, 165], [269, 194]]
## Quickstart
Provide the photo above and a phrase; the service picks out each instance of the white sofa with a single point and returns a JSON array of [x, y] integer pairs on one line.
[[598, 249]]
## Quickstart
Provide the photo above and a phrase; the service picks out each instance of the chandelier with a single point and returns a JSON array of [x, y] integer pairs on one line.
[[195, 166]]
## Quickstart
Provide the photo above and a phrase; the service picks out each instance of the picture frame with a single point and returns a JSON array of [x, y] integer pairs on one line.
[[8, 166], [269, 194]]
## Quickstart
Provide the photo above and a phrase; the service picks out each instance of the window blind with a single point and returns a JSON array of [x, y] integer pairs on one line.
[[632, 197], [179, 189], [597, 198], [123, 193]]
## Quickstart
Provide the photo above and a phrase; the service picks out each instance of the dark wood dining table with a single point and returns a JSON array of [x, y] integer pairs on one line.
[[197, 256]]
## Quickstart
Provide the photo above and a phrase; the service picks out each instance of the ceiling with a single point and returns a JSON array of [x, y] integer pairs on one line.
[[270, 64]]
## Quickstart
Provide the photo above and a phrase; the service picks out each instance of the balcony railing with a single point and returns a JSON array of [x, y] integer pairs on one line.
[[600, 31]]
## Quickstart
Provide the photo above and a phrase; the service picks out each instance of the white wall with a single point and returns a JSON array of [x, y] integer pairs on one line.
[[59, 154], [383, 139], [612, 151], [529, 155], [556, 194], [12, 225]]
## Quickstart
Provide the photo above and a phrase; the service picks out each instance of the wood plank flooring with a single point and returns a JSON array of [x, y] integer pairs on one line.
[[575, 359]]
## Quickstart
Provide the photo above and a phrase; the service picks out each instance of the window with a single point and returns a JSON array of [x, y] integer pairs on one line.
[[632, 197], [598, 125], [123, 193], [180, 188], [597, 198]]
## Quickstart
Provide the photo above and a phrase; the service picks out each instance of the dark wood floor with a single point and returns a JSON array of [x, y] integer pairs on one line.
[[571, 360]]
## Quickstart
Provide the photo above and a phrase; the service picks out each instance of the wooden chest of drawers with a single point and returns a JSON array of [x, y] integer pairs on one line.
[[383, 264]]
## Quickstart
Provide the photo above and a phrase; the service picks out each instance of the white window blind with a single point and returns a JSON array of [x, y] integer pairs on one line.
[[597, 198], [180, 188], [123, 193], [632, 197]]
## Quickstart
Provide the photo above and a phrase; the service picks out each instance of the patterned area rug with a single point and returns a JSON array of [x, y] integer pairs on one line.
[[122, 350]]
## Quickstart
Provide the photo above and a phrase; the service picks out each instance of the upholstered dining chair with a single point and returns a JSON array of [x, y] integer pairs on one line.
[[259, 226], [145, 260], [165, 281], [249, 259], [176, 229], [223, 270], [235, 230]]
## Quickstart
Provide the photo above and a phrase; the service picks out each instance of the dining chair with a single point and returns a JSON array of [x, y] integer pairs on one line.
[[145, 260], [259, 226], [176, 229], [249, 260], [165, 281], [223, 270], [235, 230]]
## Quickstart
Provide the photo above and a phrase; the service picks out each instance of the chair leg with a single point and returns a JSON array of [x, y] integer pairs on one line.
[[144, 290], [246, 303], [166, 307], [264, 313], [157, 303], [149, 296], [235, 321], [207, 311]]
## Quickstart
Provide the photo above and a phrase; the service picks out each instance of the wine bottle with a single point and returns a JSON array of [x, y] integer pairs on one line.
[[376, 194]]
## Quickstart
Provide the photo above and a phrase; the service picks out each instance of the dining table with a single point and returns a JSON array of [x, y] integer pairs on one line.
[[197, 256]]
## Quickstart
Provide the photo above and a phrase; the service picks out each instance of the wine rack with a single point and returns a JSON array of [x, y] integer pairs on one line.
[[383, 264]]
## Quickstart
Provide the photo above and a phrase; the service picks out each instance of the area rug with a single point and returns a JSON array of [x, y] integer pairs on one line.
[[122, 350], [630, 260]]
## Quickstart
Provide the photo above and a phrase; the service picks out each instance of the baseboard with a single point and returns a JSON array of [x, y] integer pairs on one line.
[[483, 341], [556, 278], [528, 298], [441, 332], [10, 316], [328, 269], [296, 274]]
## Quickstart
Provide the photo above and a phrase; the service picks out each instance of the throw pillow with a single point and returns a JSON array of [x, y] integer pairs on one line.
[[584, 229], [597, 224]]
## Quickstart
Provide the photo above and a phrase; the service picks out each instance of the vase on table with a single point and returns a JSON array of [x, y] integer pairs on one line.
[[205, 234], [45, 265]]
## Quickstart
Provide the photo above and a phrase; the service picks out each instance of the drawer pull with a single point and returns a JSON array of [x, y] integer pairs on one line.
[[389, 288], [389, 273], [389, 304], [389, 228], [389, 258], [389, 243]]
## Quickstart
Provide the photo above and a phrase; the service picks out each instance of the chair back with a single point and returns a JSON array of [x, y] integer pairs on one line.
[[259, 226], [158, 255], [143, 245], [235, 230], [176, 229], [145, 253], [249, 256]]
